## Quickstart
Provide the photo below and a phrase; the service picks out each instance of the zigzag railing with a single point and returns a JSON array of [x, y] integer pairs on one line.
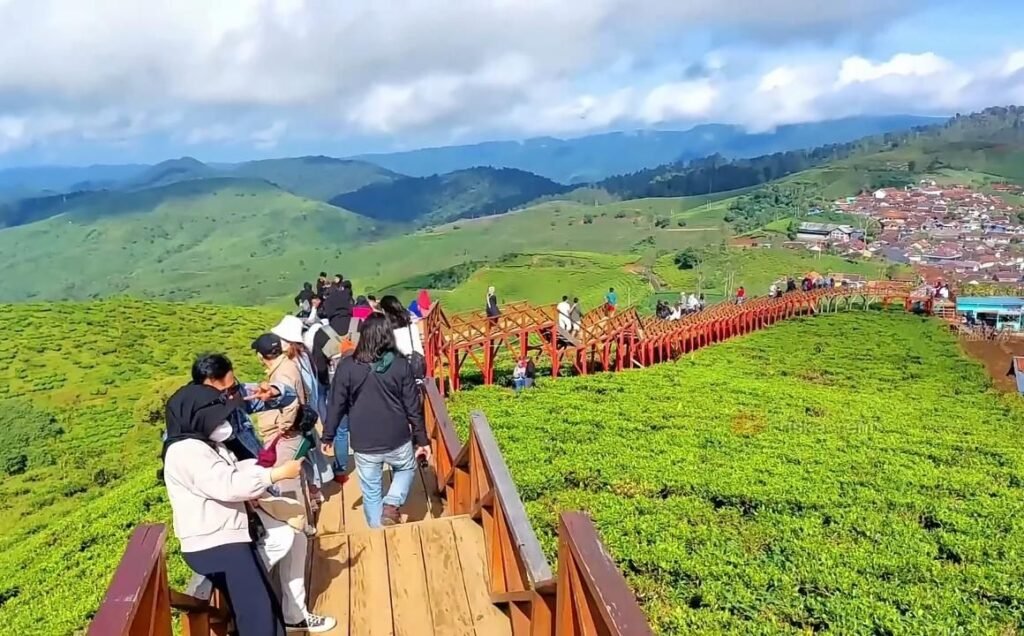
[[625, 340]]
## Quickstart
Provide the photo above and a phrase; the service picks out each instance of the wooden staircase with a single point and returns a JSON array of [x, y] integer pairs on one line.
[[465, 561]]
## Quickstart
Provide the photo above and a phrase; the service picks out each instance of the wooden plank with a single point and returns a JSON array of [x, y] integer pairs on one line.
[[371, 592], [332, 513], [330, 582], [416, 506], [410, 600], [448, 602], [487, 617], [355, 520], [419, 505], [436, 502]]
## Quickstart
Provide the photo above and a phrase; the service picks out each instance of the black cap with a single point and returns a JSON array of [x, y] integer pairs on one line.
[[268, 345]]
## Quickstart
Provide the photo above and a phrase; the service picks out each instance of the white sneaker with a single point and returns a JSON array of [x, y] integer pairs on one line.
[[313, 624]]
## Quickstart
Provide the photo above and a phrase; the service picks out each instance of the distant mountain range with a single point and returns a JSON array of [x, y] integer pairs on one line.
[[595, 157], [456, 195], [569, 161], [183, 229]]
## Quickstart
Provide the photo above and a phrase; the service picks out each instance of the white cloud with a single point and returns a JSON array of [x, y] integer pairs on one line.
[[859, 70], [255, 72], [679, 101]]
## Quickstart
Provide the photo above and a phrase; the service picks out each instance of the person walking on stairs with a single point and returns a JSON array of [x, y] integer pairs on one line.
[[304, 300], [611, 301], [576, 316], [564, 318], [376, 389]]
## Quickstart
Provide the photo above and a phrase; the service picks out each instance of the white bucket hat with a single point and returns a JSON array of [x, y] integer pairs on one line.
[[289, 329]]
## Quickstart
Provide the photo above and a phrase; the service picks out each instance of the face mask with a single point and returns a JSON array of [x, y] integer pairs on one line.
[[222, 433]]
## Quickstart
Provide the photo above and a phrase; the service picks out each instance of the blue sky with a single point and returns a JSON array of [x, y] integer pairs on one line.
[[117, 81]]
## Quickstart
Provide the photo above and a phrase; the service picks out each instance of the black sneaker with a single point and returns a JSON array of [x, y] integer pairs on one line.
[[313, 625]]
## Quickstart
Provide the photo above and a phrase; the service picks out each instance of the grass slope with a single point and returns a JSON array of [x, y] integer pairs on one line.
[[99, 371], [847, 474], [543, 279], [231, 240], [398, 263], [756, 269]]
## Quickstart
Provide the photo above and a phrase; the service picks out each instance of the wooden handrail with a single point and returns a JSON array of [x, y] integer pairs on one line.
[[593, 596], [137, 600], [538, 572], [438, 412]]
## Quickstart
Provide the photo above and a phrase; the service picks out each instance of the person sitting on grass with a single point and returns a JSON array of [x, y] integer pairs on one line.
[[376, 390], [524, 375]]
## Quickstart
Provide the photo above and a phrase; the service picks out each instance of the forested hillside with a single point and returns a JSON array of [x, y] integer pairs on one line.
[[995, 131], [448, 197], [595, 157]]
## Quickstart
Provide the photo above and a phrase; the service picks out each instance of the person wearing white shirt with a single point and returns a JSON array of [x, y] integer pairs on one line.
[[407, 333], [564, 311]]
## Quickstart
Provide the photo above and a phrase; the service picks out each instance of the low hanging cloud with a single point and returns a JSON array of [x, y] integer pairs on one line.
[[256, 72]]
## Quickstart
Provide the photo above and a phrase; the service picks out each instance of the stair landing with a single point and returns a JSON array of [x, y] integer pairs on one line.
[[425, 577]]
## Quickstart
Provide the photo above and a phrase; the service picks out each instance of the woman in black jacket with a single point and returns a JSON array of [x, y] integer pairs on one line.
[[376, 389]]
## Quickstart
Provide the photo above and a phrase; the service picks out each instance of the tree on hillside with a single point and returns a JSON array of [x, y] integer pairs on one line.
[[687, 259]]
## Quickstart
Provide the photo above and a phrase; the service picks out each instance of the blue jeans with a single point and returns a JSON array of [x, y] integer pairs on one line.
[[522, 383], [370, 469], [340, 464]]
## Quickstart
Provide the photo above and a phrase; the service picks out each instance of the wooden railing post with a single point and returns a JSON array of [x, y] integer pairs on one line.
[[593, 597], [137, 602]]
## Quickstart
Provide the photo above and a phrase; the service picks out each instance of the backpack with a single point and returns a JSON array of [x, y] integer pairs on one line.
[[417, 362], [336, 348]]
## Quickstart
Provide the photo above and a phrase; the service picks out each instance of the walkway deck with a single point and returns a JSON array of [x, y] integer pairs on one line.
[[425, 577]]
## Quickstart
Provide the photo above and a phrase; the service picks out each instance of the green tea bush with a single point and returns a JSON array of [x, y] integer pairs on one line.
[[798, 480], [81, 412]]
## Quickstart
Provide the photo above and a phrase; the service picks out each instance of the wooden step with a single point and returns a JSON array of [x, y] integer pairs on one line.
[[421, 578]]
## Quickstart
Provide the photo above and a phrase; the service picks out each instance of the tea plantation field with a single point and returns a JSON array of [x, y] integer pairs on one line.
[[848, 474], [82, 387]]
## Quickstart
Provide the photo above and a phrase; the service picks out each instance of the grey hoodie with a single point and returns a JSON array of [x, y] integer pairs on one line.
[[208, 488]]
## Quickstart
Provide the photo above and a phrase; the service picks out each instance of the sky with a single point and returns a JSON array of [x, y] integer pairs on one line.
[[123, 81]]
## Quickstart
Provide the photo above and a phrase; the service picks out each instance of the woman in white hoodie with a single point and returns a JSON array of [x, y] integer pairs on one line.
[[211, 495]]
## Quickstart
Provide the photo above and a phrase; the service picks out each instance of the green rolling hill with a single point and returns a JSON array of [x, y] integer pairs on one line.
[[467, 193], [245, 242], [320, 178]]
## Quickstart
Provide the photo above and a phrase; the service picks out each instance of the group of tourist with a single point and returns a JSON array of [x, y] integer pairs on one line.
[[570, 316], [688, 304], [340, 374], [808, 283], [939, 290]]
